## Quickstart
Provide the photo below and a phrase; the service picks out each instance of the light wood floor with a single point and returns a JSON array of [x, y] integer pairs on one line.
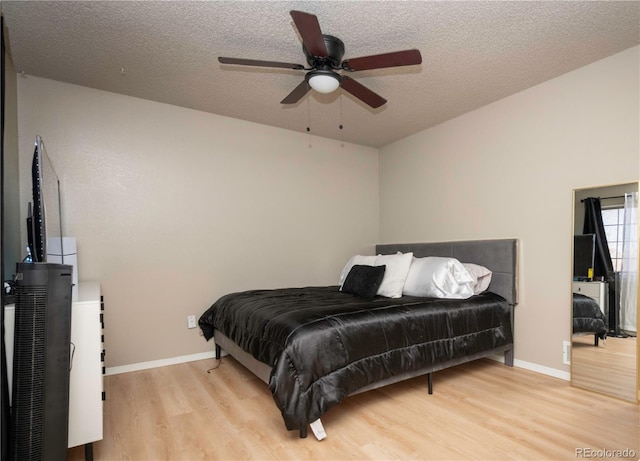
[[609, 368], [479, 411]]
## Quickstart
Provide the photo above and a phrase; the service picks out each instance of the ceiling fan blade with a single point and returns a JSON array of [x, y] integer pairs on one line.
[[379, 61], [297, 93], [255, 62], [361, 92], [309, 28]]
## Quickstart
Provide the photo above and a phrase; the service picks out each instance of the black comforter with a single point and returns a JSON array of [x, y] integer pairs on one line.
[[587, 316], [323, 344]]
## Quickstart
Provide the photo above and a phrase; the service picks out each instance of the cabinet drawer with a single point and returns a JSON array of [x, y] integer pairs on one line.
[[588, 289], [595, 290]]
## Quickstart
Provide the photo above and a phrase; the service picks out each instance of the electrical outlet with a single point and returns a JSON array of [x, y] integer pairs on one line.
[[566, 352], [191, 321]]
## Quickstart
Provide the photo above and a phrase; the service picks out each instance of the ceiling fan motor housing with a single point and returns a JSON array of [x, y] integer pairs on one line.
[[335, 52]]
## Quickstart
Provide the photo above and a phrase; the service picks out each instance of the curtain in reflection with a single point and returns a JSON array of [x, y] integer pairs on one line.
[[602, 266], [629, 275]]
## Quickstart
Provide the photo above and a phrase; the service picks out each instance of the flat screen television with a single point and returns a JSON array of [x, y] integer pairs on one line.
[[584, 251], [44, 221]]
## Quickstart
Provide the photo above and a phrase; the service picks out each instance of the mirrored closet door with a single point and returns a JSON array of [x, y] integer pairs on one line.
[[604, 320]]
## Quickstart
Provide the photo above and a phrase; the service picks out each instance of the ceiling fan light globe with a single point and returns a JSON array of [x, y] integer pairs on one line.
[[324, 83]]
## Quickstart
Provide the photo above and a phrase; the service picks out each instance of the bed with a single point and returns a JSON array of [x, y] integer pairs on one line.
[[314, 346], [588, 318]]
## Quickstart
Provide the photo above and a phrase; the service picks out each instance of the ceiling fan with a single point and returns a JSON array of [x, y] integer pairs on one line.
[[324, 55]]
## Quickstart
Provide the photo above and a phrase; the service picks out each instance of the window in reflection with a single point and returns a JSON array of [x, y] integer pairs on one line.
[[613, 219]]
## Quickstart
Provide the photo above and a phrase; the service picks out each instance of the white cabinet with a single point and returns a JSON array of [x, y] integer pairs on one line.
[[86, 383], [87, 367], [595, 290]]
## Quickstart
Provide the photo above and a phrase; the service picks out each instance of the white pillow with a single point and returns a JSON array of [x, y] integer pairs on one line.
[[481, 277], [357, 259], [394, 274], [438, 277]]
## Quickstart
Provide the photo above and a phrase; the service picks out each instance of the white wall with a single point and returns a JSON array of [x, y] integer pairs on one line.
[[508, 170], [173, 208]]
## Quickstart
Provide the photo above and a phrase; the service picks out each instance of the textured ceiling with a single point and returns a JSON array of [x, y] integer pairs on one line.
[[473, 53]]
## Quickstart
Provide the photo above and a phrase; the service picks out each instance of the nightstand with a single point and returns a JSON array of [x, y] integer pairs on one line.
[[595, 290]]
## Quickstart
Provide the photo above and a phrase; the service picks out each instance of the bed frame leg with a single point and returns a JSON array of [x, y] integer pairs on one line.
[[303, 432], [218, 352], [508, 358], [430, 383]]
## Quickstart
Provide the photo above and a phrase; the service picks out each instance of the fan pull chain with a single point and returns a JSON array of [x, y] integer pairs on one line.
[[340, 126], [309, 120]]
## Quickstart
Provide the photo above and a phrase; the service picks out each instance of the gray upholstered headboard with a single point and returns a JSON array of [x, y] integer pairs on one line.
[[499, 256]]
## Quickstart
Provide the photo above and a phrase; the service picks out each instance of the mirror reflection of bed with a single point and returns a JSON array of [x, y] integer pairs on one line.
[[604, 348]]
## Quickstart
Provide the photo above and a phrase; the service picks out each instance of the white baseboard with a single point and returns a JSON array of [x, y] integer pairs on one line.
[[211, 354], [159, 363], [565, 375]]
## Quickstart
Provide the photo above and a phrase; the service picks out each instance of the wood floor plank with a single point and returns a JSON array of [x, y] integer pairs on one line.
[[480, 411]]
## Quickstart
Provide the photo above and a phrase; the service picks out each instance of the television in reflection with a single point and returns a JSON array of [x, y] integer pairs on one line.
[[584, 251], [44, 220]]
